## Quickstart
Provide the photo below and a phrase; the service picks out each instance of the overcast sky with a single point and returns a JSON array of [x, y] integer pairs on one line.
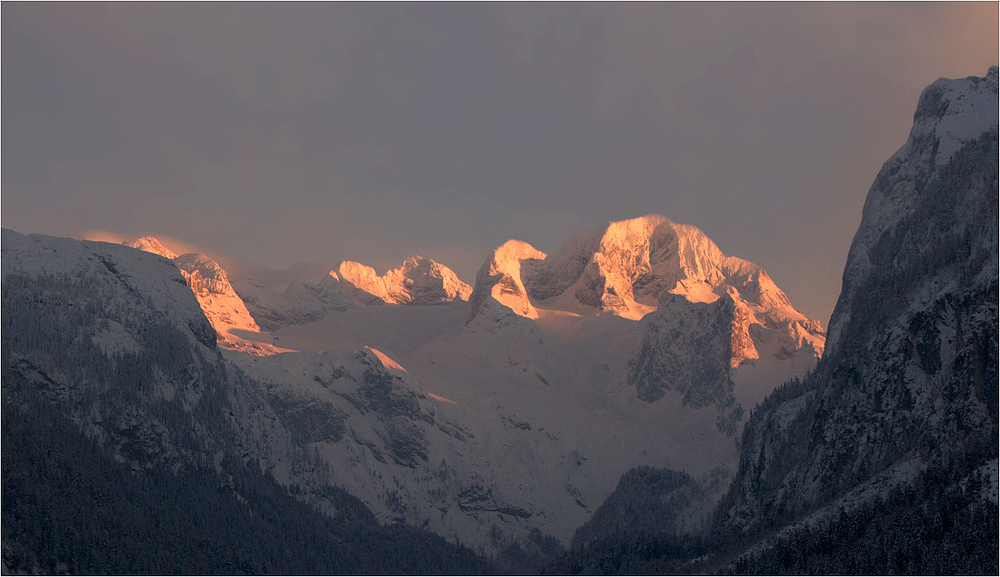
[[279, 133]]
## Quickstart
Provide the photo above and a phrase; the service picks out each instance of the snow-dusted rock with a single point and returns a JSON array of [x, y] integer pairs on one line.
[[418, 281], [150, 244], [688, 347], [210, 285], [499, 279]]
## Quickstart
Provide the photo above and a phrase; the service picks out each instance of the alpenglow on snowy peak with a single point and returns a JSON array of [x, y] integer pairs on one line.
[[210, 285], [627, 266], [150, 244], [500, 279], [418, 281], [634, 267]]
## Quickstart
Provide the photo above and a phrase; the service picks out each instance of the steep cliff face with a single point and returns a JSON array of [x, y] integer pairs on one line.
[[909, 378]]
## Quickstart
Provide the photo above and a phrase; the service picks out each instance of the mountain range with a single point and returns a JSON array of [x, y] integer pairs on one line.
[[638, 386]]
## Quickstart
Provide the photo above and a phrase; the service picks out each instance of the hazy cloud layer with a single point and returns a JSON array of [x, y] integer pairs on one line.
[[277, 133]]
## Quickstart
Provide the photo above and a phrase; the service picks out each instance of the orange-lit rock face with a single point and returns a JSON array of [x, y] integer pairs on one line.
[[223, 308], [499, 279], [418, 281]]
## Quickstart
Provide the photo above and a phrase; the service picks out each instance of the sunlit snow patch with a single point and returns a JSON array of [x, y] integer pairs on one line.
[[440, 398], [388, 362]]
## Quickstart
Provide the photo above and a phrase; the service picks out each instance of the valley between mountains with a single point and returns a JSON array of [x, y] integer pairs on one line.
[[638, 384]]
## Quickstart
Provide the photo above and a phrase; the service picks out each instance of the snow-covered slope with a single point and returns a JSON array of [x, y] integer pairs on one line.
[[909, 379], [551, 420], [412, 455]]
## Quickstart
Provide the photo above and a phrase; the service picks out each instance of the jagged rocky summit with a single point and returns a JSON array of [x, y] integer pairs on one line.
[[418, 281]]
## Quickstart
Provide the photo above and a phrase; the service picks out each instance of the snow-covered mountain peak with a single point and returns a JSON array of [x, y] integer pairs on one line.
[[624, 269], [223, 307], [953, 112], [638, 260], [150, 244], [212, 276], [418, 281]]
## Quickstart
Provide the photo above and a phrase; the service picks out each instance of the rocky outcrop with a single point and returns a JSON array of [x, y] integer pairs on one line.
[[210, 285], [687, 348]]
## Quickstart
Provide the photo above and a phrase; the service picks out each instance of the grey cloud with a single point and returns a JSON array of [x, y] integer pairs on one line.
[[324, 131]]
